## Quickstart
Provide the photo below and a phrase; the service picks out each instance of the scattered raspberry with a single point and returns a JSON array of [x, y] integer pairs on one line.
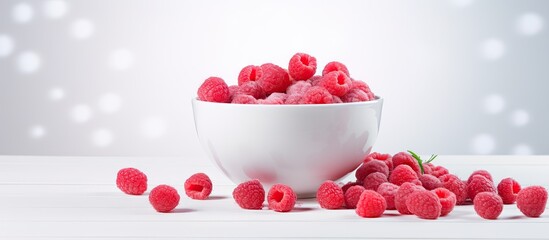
[[274, 98], [352, 195], [447, 200], [430, 182], [427, 168], [388, 191], [488, 205], [249, 73], [298, 88], [302, 66], [370, 204], [131, 181], [164, 198], [249, 195], [244, 99], [316, 95], [347, 185], [373, 180], [479, 184], [371, 167], [198, 186], [330, 196], [274, 79], [438, 171], [357, 84], [455, 185], [335, 66], [281, 198], [337, 83], [401, 174], [214, 89], [251, 88], [483, 173], [424, 204], [355, 95], [403, 158], [531, 201], [508, 189], [385, 158], [402, 195], [293, 99]]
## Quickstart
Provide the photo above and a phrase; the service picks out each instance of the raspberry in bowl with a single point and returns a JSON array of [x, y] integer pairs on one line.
[[302, 133]]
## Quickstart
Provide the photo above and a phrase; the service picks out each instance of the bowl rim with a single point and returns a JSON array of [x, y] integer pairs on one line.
[[377, 100]]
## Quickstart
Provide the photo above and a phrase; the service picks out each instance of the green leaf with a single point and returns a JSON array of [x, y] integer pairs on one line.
[[433, 156], [418, 159]]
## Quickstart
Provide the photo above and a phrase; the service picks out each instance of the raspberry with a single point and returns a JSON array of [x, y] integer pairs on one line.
[[479, 184], [214, 89], [447, 200], [302, 66], [357, 84], [355, 95], [402, 195], [316, 95], [483, 173], [370, 167], [337, 83], [438, 171], [427, 168], [249, 73], [386, 158], [315, 80], [370, 204], [298, 88], [198, 186], [488, 205], [430, 182], [274, 98], [455, 185], [244, 99], [531, 201], [388, 191], [293, 99], [274, 79], [249, 195], [281, 198], [335, 66], [347, 185], [401, 174], [508, 189], [336, 99], [424, 204], [164, 198], [131, 181], [373, 180], [252, 89], [329, 195], [232, 91], [406, 159], [352, 195]]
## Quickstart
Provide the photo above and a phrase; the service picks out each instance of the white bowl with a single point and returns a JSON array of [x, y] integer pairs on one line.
[[298, 145]]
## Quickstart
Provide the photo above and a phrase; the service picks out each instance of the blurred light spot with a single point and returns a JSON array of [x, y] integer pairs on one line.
[[22, 12], [110, 103], [461, 3], [522, 149], [82, 29], [55, 9], [28, 62], [483, 144], [520, 118], [56, 94], [529, 24], [37, 131], [102, 138], [121, 59], [492, 49], [153, 127], [6, 45], [81, 113], [494, 103]]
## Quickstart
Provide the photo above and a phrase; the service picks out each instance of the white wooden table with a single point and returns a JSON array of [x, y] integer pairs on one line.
[[76, 198]]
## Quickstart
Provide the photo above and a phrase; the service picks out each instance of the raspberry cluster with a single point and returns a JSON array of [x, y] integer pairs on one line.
[[298, 84]]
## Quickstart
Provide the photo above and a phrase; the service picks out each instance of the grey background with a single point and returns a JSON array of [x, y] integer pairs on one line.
[[116, 77]]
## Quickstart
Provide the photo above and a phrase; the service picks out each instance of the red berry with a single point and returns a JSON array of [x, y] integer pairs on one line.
[[131, 181], [401, 174], [531, 201], [347, 185], [479, 184], [214, 89], [483, 173], [447, 200], [249, 73], [281, 198], [427, 168], [335, 66], [251, 88], [488, 205], [244, 99], [164, 198], [302, 66], [357, 84], [373, 180], [508, 189], [424, 204], [232, 91], [298, 88], [455, 185], [402, 195], [371, 167], [388, 191], [330, 196], [274, 79], [355, 95], [274, 98], [352, 195], [430, 182], [371, 204], [198, 186], [384, 157], [438, 171], [337, 83], [316, 95], [249, 195], [315, 80], [293, 99], [336, 99], [406, 159]]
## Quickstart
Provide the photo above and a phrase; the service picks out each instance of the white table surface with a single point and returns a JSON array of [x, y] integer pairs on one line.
[[76, 198]]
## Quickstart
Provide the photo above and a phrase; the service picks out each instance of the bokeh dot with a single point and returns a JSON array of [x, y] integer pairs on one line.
[[28, 62], [121, 59], [492, 49], [109, 103], [483, 144], [6, 45], [56, 94], [102, 138], [82, 28], [81, 113], [461, 3], [22, 12], [37, 131], [153, 127], [55, 9], [520, 117], [493, 103], [529, 24], [522, 149]]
